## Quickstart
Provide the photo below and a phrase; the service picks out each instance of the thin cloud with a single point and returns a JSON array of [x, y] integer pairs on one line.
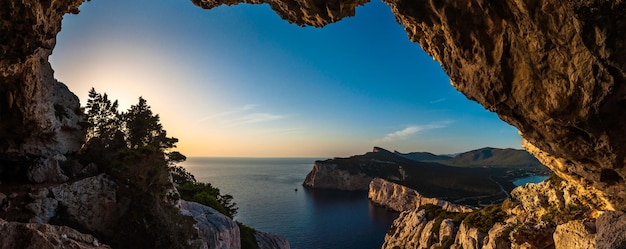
[[412, 130], [242, 109], [438, 100], [285, 131], [255, 118]]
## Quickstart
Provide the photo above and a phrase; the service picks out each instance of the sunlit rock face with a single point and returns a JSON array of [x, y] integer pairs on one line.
[[400, 198], [553, 69]]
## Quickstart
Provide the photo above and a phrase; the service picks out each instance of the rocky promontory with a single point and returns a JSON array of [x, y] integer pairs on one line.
[[327, 175], [400, 198], [464, 183]]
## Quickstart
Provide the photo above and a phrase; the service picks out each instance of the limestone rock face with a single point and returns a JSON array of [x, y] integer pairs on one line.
[[539, 199], [469, 238], [91, 202], [47, 170], [329, 176], [406, 231], [215, 230], [611, 228], [553, 69], [552, 214], [400, 198], [44, 236], [574, 234], [271, 241], [498, 237], [39, 114]]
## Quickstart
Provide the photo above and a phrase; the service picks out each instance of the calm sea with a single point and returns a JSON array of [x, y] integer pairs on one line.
[[265, 192], [529, 179]]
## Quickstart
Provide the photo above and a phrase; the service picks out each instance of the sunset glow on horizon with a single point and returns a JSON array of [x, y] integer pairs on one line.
[[240, 82]]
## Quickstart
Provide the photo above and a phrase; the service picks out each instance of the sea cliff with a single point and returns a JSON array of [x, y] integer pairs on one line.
[[400, 198], [464, 184], [328, 176]]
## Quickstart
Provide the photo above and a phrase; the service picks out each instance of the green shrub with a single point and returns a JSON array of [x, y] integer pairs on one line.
[[206, 194], [434, 212], [556, 216], [484, 218], [248, 240], [206, 199]]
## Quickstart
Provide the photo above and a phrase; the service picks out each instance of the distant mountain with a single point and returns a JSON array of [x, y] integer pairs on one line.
[[423, 156], [483, 157], [494, 157], [463, 177]]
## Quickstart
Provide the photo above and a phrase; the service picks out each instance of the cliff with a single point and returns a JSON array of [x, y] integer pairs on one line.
[[271, 241], [400, 198], [39, 115], [214, 230], [468, 185], [328, 176], [551, 214]]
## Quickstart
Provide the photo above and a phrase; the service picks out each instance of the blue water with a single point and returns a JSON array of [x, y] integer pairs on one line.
[[529, 179], [264, 190]]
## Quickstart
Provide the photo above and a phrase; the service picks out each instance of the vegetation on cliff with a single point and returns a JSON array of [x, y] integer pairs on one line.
[[135, 150]]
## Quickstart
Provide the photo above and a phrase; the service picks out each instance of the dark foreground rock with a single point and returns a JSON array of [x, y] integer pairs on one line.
[[44, 236]]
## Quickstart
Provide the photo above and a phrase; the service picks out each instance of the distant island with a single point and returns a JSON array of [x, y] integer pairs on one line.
[[477, 177]]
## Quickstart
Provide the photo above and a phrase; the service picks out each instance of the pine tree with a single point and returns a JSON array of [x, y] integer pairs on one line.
[[143, 129], [103, 119]]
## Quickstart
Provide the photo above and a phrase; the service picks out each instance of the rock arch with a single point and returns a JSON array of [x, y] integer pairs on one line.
[[556, 70]]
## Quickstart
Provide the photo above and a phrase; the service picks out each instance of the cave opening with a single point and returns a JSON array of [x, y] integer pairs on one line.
[[242, 74]]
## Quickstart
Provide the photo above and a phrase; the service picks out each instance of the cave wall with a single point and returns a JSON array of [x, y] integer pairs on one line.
[[39, 116], [553, 69]]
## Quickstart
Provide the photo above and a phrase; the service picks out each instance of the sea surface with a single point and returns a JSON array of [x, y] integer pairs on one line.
[[270, 197], [529, 179]]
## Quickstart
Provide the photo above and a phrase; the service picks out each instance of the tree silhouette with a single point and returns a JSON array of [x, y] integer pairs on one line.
[[103, 119]]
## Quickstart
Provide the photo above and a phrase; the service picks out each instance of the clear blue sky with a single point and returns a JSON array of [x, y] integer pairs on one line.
[[239, 81]]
